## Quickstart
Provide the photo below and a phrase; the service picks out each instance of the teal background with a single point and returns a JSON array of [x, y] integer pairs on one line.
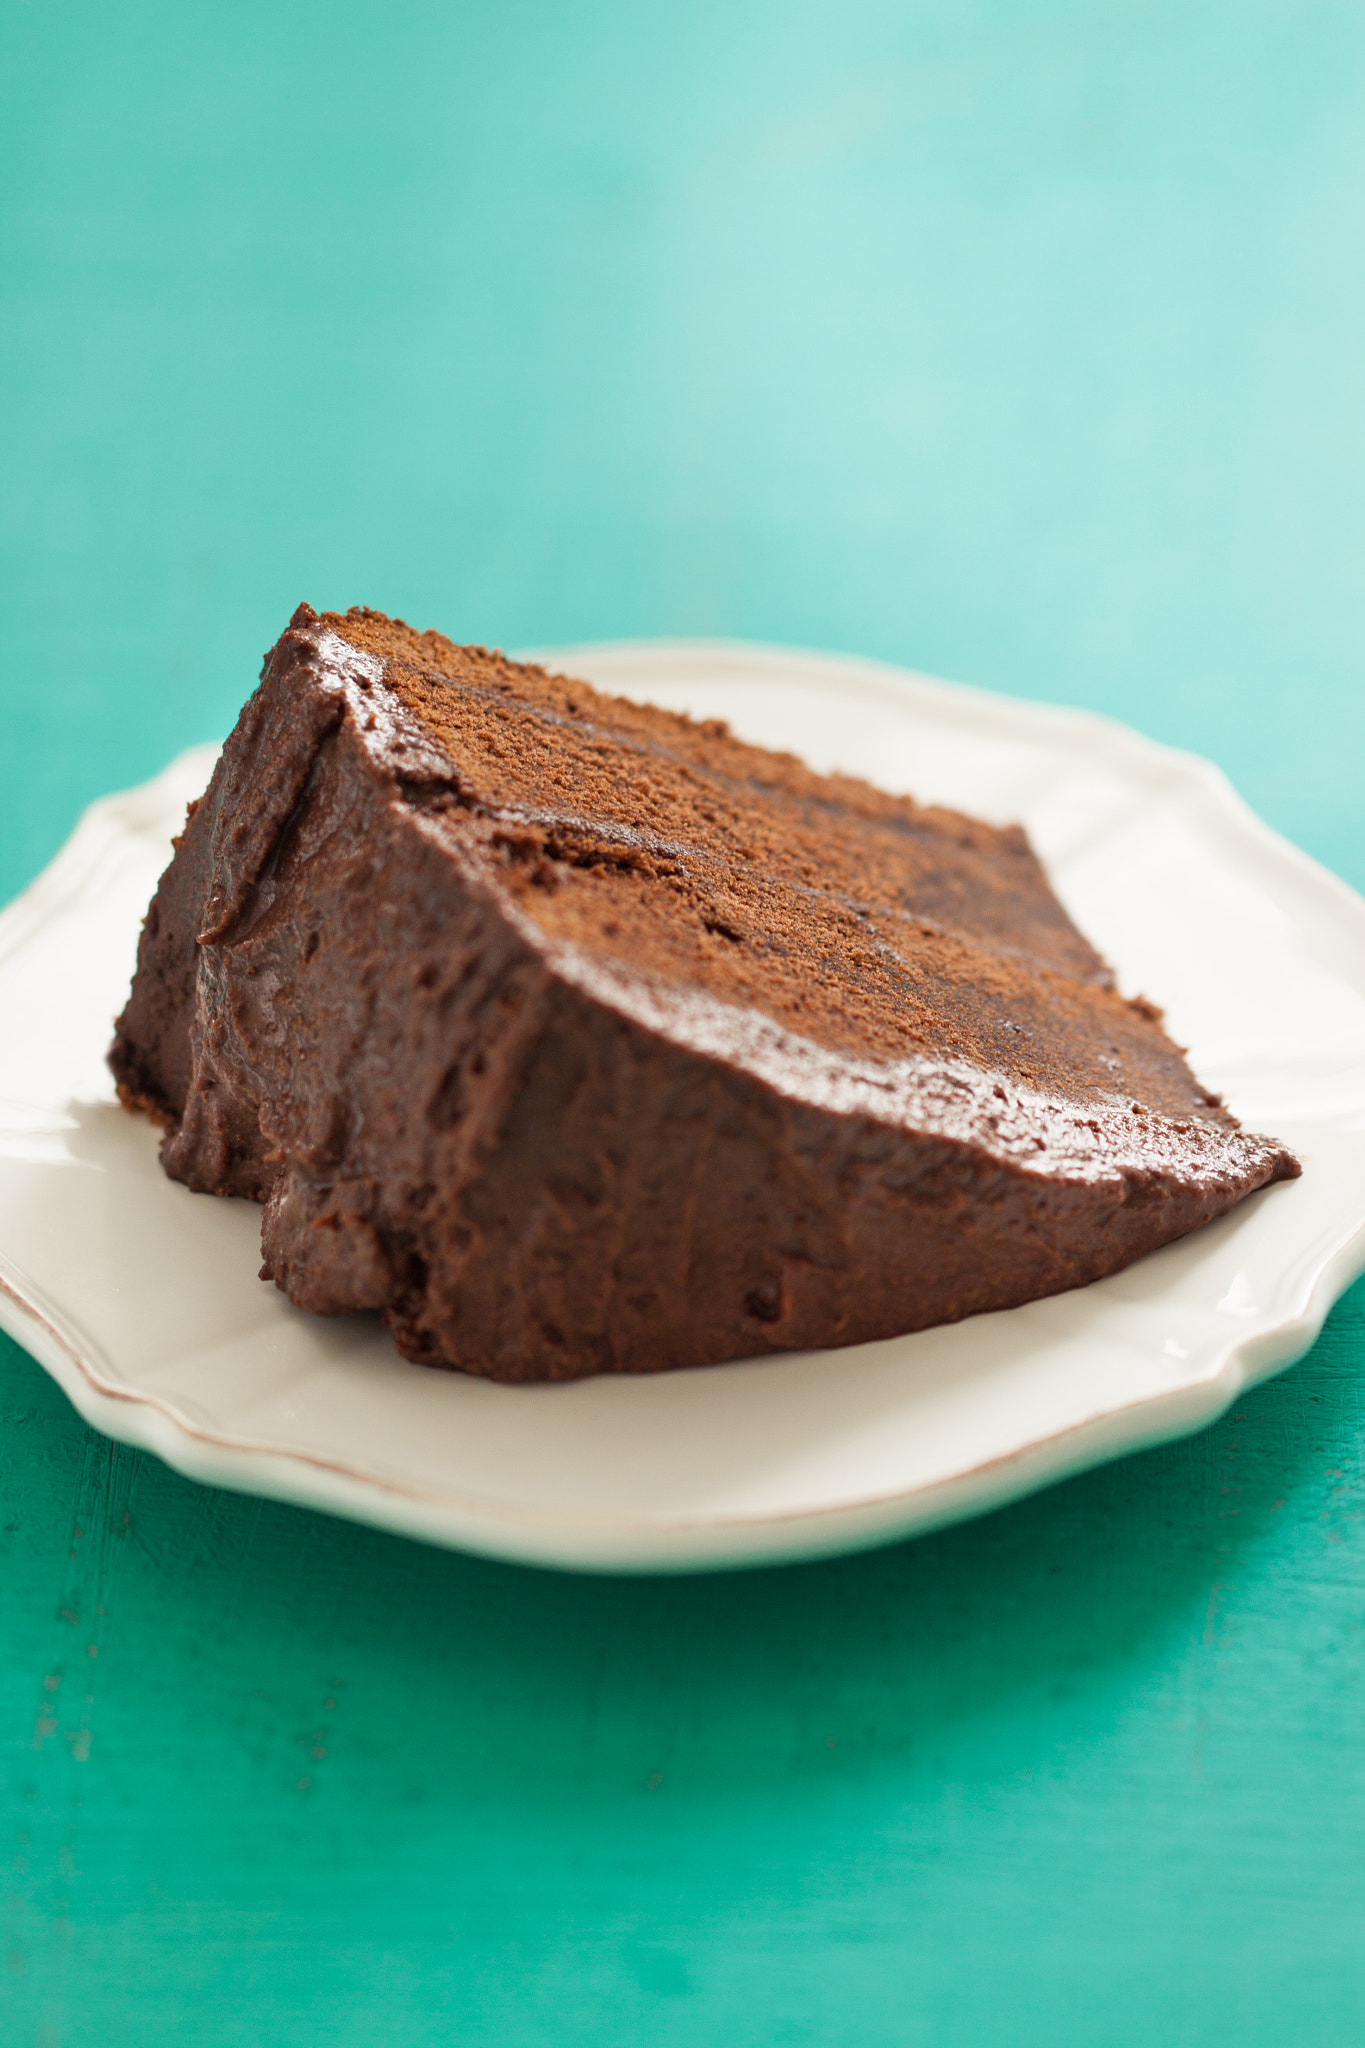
[[1024, 343]]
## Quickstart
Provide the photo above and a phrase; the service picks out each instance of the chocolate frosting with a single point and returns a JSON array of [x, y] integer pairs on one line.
[[575, 1036]]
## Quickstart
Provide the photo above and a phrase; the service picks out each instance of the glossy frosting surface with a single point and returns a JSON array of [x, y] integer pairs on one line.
[[576, 1036]]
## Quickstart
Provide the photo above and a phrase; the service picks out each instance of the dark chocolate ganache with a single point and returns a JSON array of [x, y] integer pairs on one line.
[[575, 1036]]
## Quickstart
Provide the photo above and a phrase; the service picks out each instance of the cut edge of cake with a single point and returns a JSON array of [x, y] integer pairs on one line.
[[399, 1173]]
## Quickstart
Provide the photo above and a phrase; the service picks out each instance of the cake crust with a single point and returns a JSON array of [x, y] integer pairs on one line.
[[575, 1036]]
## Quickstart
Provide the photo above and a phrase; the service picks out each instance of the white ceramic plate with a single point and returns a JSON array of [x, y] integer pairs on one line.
[[143, 1300]]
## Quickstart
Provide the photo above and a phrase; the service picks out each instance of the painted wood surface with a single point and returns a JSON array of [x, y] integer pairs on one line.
[[1089, 1770], [1022, 343]]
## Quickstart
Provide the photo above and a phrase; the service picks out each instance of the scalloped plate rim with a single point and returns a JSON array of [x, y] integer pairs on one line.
[[619, 1542]]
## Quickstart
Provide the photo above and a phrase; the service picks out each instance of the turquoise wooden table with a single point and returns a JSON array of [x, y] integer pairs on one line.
[[1023, 343]]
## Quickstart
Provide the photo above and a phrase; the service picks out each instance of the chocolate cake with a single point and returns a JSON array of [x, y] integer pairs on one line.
[[575, 1036]]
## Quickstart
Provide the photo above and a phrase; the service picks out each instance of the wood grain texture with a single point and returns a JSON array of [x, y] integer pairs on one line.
[[1020, 344], [1093, 1765]]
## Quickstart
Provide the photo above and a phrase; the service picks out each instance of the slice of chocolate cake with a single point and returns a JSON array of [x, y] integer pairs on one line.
[[579, 1037]]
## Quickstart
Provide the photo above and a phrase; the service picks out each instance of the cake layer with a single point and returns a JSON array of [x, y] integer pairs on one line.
[[576, 1036]]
